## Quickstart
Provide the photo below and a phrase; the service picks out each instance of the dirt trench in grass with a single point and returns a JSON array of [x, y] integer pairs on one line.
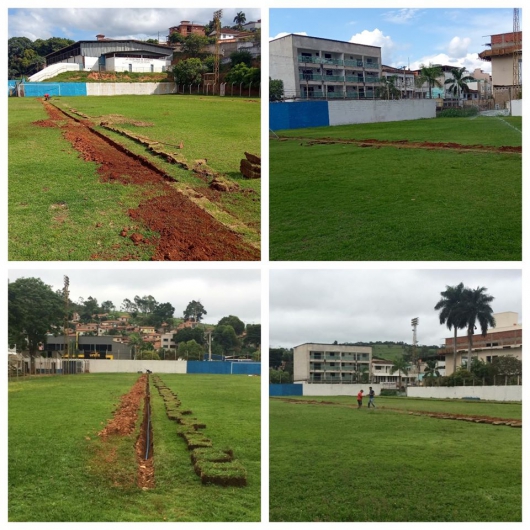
[[184, 231], [406, 144], [518, 423], [123, 423]]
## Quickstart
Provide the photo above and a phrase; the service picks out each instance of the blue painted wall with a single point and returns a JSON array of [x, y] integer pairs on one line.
[[215, 367], [298, 115], [37, 90], [285, 390]]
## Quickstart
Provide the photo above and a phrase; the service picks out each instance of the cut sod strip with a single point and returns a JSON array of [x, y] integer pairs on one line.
[[212, 465], [124, 422]]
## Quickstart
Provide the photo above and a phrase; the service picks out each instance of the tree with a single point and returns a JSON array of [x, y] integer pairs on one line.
[[194, 44], [253, 335], [226, 337], [47, 46], [476, 307], [279, 377], [275, 357], [401, 366], [431, 369], [240, 19], [242, 56], [136, 341], [162, 313], [508, 366], [145, 304], [34, 310], [191, 350], [429, 74], [107, 307], [189, 71], [235, 322], [458, 83], [387, 89], [187, 334], [176, 37], [90, 308], [450, 307], [275, 89], [129, 307], [241, 73], [194, 311]]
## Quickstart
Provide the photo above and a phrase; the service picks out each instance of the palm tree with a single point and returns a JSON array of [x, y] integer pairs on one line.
[[430, 369], [240, 19], [400, 365], [450, 314], [459, 82], [476, 307], [429, 74], [387, 89]]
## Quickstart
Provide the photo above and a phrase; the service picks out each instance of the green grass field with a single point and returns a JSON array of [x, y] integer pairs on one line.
[[55, 468], [336, 463], [45, 171], [347, 202]]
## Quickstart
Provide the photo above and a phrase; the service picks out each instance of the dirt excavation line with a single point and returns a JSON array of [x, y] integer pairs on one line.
[[510, 422], [406, 144], [182, 230], [144, 446]]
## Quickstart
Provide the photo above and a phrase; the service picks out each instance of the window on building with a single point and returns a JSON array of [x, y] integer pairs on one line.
[[327, 56], [329, 72]]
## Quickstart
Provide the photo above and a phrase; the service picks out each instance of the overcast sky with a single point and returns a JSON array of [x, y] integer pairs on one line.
[[371, 305], [131, 23], [407, 37], [221, 292]]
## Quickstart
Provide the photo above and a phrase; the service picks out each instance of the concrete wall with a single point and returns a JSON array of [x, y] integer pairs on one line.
[[138, 64], [370, 111], [490, 393], [122, 89], [164, 367], [516, 106], [338, 390]]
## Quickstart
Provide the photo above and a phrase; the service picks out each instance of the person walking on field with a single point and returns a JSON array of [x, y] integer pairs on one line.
[[371, 396], [360, 399]]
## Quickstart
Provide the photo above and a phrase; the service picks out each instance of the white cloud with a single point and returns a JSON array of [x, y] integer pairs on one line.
[[401, 16], [285, 33], [376, 38], [458, 46], [469, 60]]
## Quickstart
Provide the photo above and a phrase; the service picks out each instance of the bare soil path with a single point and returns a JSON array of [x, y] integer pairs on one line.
[[185, 231]]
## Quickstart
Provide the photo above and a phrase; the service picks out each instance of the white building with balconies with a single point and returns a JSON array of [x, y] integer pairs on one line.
[[312, 67], [331, 363]]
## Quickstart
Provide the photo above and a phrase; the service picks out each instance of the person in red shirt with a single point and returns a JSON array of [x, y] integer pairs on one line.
[[360, 399], [46, 97]]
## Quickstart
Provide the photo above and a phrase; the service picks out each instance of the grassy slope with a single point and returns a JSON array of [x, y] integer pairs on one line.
[[45, 170], [385, 466], [337, 202], [53, 475]]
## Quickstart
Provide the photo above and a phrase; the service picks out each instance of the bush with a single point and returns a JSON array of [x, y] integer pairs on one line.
[[465, 112], [388, 392]]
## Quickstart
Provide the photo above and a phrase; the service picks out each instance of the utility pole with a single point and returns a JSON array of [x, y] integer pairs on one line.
[[217, 24], [66, 295], [209, 335], [414, 322], [515, 58]]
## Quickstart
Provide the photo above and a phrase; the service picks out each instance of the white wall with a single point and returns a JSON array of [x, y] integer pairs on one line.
[[122, 89], [491, 393], [165, 367], [370, 111], [121, 64], [516, 106], [338, 390]]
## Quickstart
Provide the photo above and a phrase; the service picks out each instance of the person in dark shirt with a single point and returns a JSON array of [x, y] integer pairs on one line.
[[371, 396]]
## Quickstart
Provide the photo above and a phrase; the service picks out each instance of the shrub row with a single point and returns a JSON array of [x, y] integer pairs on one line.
[[213, 466]]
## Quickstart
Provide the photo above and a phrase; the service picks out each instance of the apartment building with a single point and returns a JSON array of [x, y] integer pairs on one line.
[[331, 363], [506, 338], [316, 67], [404, 80]]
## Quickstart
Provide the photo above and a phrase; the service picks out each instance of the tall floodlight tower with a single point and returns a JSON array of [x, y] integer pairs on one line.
[[516, 51], [66, 294], [217, 25]]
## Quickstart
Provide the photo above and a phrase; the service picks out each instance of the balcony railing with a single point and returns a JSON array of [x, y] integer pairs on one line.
[[333, 78], [354, 63], [354, 79], [371, 66], [314, 60], [310, 77]]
